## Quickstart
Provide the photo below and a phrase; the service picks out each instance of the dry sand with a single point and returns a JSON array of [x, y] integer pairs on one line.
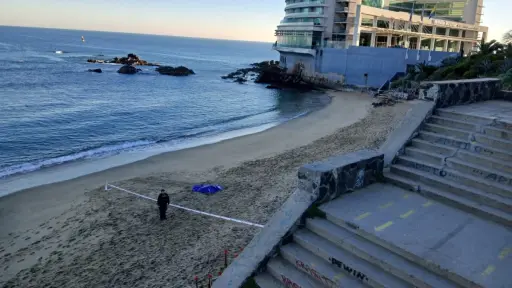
[[75, 234]]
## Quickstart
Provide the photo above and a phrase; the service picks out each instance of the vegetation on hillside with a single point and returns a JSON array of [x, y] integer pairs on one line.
[[493, 59]]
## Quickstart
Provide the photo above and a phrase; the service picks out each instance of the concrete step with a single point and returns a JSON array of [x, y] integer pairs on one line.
[[463, 117], [322, 271], [447, 185], [433, 147], [265, 280], [424, 155], [289, 275], [474, 119], [497, 132], [493, 142], [454, 200], [452, 123], [484, 161], [448, 131], [478, 148], [394, 242], [499, 177], [350, 264], [497, 184], [415, 275], [443, 140]]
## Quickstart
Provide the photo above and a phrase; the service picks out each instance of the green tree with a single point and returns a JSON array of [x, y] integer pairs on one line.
[[507, 37], [488, 48]]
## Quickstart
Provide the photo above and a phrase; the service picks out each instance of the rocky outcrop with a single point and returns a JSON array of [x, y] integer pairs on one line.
[[269, 72], [95, 70], [130, 59], [175, 71], [128, 69]]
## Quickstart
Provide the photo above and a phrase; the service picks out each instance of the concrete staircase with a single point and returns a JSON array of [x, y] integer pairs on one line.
[[442, 219]]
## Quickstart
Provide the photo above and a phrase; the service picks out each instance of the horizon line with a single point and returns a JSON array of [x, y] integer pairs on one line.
[[133, 33]]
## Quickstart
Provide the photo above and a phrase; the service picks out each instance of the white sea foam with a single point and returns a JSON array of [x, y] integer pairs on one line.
[[97, 152]]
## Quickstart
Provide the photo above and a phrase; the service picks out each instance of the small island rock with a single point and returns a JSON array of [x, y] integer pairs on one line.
[[95, 70], [127, 69], [174, 71]]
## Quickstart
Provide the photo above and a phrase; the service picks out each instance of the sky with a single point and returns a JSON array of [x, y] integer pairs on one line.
[[253, 20]]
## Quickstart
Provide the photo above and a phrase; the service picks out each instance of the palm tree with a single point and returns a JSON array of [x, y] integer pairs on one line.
[[507, 37], [489, 48]]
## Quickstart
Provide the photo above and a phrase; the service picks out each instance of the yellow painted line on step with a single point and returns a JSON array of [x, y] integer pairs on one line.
[[504, 252], [407, 214], [384, 226], [338, 277], [364, 215], [387, 205], [488, 270], [427, 204]]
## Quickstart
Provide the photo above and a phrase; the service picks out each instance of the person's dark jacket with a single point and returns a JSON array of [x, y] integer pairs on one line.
[[163, 199]]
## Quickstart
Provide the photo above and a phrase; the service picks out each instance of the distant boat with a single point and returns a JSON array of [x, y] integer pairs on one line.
[[59, 52], [83, 39]]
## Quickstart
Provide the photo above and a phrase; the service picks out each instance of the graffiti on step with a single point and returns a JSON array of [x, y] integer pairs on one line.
[[349, 270], [451, 142], [289, 283], [481, 150], [424, 167], [498, 178], [315, 274]]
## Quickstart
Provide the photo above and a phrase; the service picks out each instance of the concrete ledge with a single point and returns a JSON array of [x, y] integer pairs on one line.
[[415, 117], [264, 244], [341, 174]]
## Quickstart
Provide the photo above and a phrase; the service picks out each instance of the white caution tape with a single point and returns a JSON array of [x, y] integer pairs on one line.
[[185, 208]]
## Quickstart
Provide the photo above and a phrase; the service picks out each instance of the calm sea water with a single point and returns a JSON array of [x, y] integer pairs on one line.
[[52, 111]]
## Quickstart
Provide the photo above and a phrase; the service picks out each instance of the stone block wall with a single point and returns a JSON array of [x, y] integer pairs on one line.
[[339, 175], [460, 92]]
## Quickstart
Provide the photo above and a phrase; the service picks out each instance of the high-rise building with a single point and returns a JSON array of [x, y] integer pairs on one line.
[[441, 25]]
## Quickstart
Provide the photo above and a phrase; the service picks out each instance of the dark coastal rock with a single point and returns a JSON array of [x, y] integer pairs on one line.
[[130, 59], [240, 80], [175, 71], [269, 72], [95, 70], [127, 69]]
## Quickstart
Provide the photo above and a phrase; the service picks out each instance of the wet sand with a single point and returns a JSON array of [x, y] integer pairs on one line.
[[75, 234]]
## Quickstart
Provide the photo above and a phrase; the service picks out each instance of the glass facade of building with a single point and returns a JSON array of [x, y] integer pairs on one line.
[[298, 39], [453, 10]]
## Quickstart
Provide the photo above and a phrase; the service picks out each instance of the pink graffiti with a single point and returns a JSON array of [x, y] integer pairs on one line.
[[289, 283]]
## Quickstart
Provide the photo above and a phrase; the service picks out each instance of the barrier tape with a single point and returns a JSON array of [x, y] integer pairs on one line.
[[185, 208]]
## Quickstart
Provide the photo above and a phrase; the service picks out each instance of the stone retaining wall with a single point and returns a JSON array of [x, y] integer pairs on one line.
[[460, 92]]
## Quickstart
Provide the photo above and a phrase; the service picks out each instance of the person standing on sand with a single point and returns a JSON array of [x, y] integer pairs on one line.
[[163, 202]]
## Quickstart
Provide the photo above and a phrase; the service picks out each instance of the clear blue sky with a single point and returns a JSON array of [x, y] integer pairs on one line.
[[227, 19]]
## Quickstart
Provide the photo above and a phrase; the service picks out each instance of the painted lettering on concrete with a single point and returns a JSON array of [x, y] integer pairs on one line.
[[498, 178], [315, 274], [349, 270], [289, 283]]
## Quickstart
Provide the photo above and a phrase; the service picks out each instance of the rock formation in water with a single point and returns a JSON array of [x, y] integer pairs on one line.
[[128, 69], [175, 71], [95, 70], [130, 59], [269, 72]]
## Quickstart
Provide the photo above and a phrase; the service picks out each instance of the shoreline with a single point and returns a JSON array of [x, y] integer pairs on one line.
[[75, 232], [82, 167]]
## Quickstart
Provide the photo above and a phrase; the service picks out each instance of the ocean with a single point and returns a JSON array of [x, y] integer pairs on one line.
[[54, 112]]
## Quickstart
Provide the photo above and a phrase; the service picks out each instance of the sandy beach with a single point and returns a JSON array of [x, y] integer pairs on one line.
[[75, 234]]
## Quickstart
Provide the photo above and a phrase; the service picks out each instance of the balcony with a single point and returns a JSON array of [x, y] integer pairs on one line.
[[311, 3], [342, 10], [340, 20], [305, 14]]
